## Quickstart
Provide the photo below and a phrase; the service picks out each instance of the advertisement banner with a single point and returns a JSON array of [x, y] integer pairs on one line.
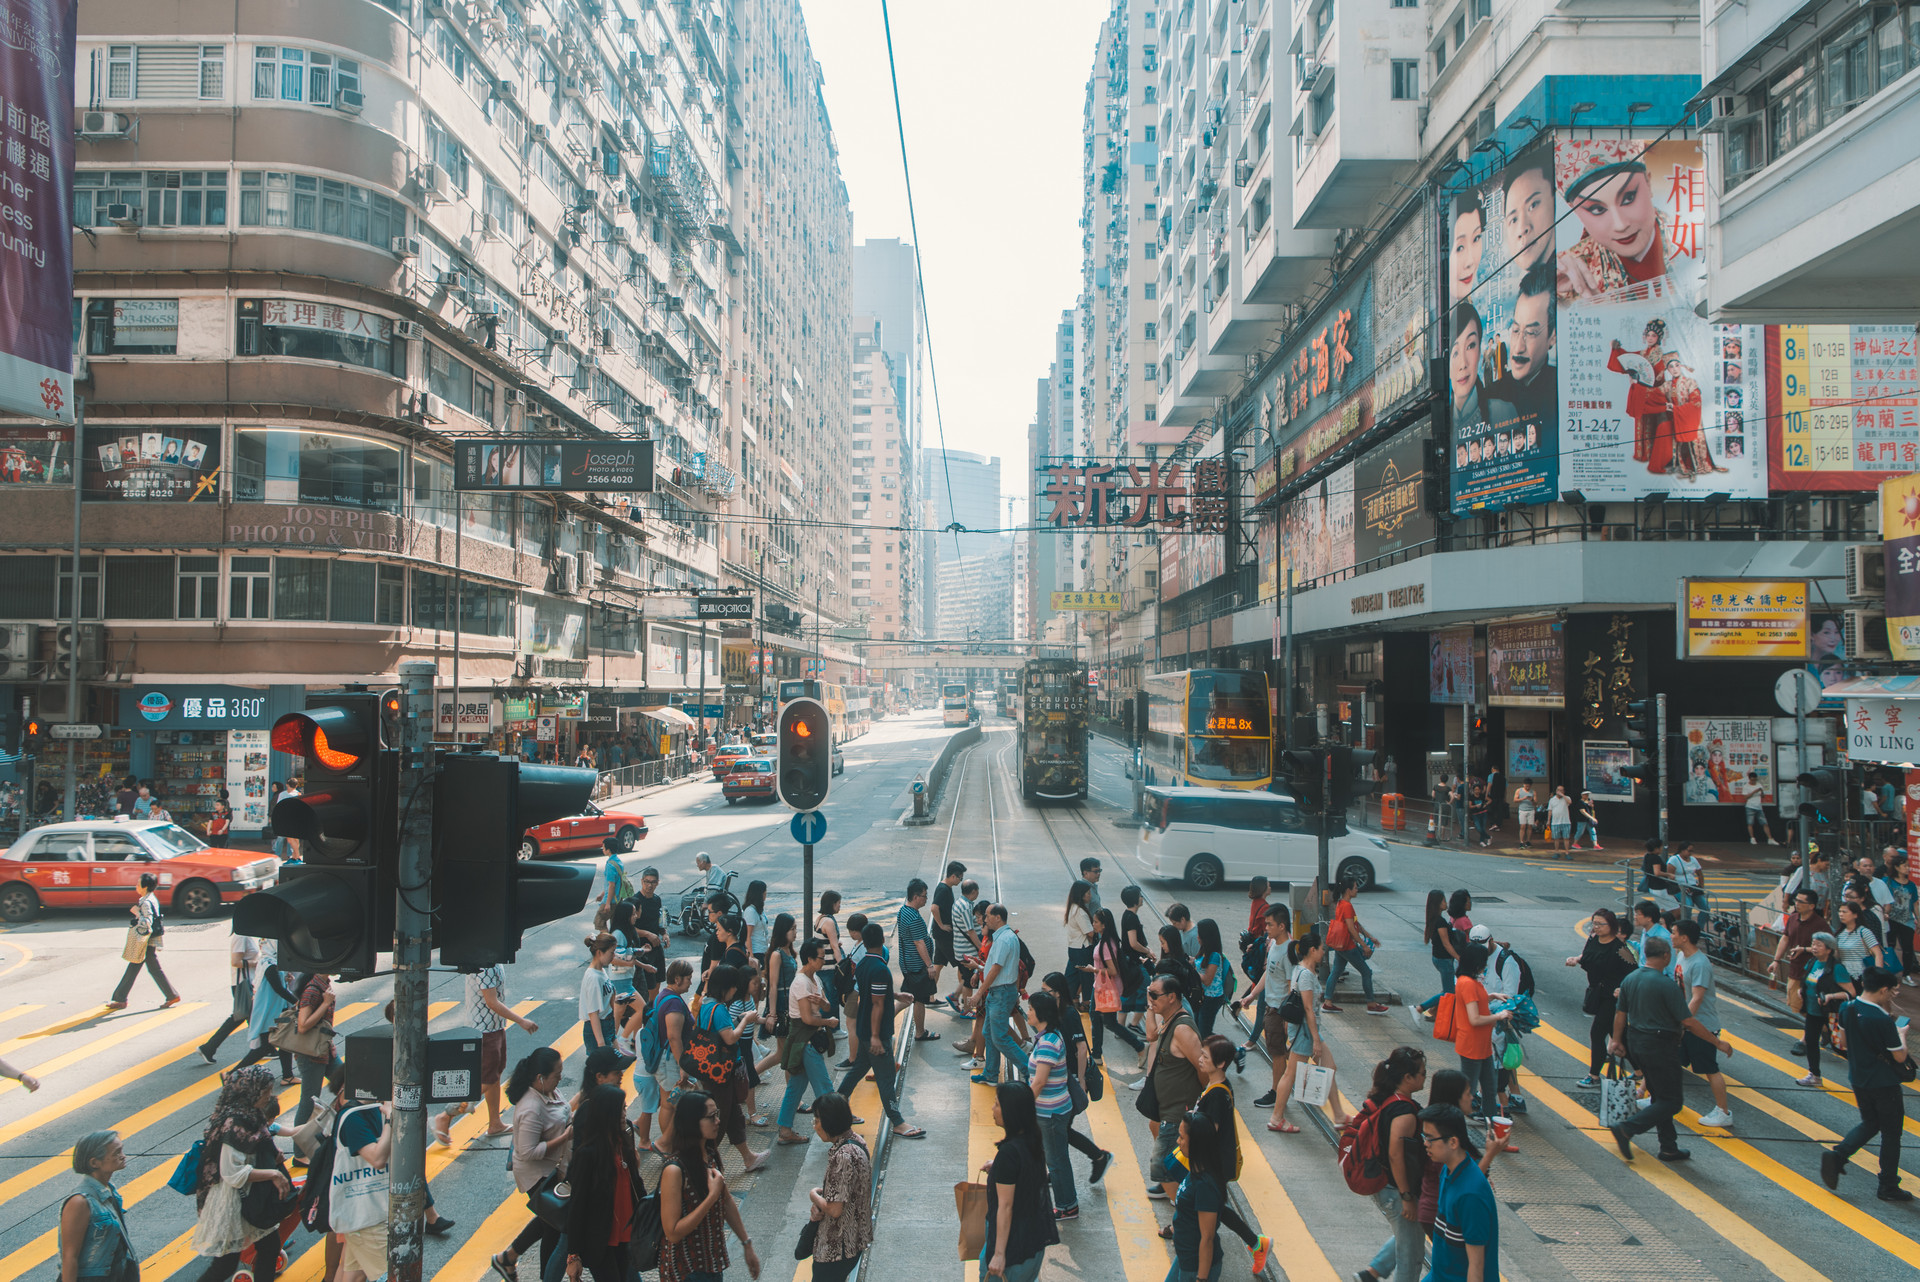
[[1388, 515], [36, 456], [476, 710], [1847, 405], [247, 777], [36, 209], [1727, 758], [1910, 802], [1267, 542], [1086, 600], [1526, 757], [1575, 359], [1883, 730], [1403, 332], [163, 464], [1316, 529], [493, 464], [1527, 664], [1601, 761], [1900, 530], [1745, 619], [1450, 666]]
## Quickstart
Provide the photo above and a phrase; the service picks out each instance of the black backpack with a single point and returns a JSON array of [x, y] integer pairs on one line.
[[1253, 954]]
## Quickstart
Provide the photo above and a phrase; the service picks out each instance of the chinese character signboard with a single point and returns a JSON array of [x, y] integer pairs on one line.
[[1388, 515], [1721, 754], [476, 711], [1450, 666], [1900, 528], [494, 464], [192, 707], [1743, 619], [1086, 601], [36, 209], [1527, 664], [1576, 361], [1848, 405], [1140, 494], [147, 464], [1883, 730]]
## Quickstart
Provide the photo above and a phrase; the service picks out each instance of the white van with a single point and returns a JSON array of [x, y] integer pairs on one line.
[[1208, 836]]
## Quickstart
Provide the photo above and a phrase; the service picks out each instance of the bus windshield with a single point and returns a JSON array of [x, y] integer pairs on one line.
[[1228, 703], [1212, 757]]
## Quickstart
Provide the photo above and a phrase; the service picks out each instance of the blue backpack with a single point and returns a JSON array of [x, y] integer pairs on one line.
[[653, 1041]]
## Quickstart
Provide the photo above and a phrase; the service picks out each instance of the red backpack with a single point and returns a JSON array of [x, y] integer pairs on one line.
[[1362, 1148]]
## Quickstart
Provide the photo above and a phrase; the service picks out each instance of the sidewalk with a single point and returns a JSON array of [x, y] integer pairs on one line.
[[1717, 856]]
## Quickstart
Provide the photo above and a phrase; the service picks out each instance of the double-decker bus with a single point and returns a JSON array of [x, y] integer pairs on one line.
[[1207, 728], [859, 710], [832, 697], [1052, 711], [953, 703]]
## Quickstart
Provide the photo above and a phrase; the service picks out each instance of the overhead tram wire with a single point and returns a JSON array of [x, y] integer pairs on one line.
[[919, 270]]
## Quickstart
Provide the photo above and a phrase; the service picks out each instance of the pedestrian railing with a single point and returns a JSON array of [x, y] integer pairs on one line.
[[645, 774]]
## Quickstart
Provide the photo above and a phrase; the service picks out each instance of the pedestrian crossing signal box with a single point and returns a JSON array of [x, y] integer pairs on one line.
[[453, 1065]]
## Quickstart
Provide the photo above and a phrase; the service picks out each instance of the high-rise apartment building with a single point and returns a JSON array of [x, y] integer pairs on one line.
[[886, 288], [964, 488], [1052, 556], [324, 242], [882, 583]]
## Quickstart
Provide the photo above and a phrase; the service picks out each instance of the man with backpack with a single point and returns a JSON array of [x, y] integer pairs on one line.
[[1506, 977]]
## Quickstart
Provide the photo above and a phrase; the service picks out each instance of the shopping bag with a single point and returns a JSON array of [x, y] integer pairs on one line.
[[970, 1201], [134, 951], [1315, 1085], [1616, 1093], [357, 1190]]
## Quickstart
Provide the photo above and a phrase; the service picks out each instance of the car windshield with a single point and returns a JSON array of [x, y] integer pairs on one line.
[[169, 840]]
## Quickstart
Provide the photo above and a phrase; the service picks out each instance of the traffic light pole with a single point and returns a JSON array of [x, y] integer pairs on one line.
[[1660, 755], [1325, 879], [1803, 824], [72, 810], [806, 879], [412, 950]]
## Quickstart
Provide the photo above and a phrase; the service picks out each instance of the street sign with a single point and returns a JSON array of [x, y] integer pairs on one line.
[[1809, 691], [808, 826], [723, 607], [704, 709], [75, 730]]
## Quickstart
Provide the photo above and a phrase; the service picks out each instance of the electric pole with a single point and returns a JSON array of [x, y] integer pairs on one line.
[[412, 952]]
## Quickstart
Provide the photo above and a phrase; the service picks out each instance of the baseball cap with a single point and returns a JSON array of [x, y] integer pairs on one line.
[[1480, 934]]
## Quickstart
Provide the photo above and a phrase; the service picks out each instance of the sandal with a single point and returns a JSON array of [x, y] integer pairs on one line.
[[1166, 1232], [1283, 1128], [911, 1133], [929, 1036]]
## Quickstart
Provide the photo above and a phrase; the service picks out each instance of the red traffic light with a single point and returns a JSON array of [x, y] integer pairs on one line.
[[802, 730], [335, 739]]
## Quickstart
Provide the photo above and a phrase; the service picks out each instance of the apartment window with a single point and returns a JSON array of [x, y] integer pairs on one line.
[[1149, 290], [1406, 79], [1405, 4], [300, 588], [447, 153], [139, 587], [1439, 59], [132, 326], [1153, 411], [301, 75], [1151, 249], [1793, 114], [496, 204], [1848, 77], [1152, 330], [166, 71], [198, 588], [89, 587], [309, 203], [1150, 94], [365, 592], [250, 588], [1153, 133], [158, 198], [319, 332], [1459, 32], [452, 380], [283, 465]]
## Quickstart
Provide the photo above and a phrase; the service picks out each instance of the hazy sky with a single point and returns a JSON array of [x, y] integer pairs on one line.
[[992, 93]]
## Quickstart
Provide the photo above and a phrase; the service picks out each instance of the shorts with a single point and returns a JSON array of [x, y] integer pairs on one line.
[[1525, 814], [1703, 1057], [493, 1056], [647, 1092], [1302, 1039], [365, 1250], [1276, 1030], [942, 949], [919, 985], [666, 1080], [1562, 831]]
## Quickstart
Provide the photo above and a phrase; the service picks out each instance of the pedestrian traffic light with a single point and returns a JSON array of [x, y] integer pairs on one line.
[[1821, 787], [484, 896], [30, 738], [1351, 773], [340, 738], [1642, 725], [328, 918], [1304, 768], [806, 754]]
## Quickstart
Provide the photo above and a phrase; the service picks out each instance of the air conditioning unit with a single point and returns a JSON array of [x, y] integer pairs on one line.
[[406, 246], [559, 337], [630, 135], [516, 396], [589, 572], [432, 408], [104, 125], [541, 133], [1866, 572], [539, 36], [458, 282], [675, 303], [19, 649], [588, 362], [87, 646], [489, 227], [351, 101], [566, 574], [126, 217], [409, 329], [1865, 634], [484, 307], [436, 182]]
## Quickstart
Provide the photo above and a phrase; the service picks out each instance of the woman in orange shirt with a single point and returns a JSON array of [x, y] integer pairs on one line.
[[1473, 1021]]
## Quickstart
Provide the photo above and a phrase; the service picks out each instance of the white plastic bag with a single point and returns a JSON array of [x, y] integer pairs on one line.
[[357, 1191], [1315, 1086]]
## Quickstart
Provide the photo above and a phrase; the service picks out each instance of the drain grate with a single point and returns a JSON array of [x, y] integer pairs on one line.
[[1556, 899]]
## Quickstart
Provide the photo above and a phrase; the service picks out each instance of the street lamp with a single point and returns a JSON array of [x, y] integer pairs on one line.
[[819, 660]]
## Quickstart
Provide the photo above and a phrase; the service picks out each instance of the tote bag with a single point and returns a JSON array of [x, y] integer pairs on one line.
[[357, 1190], [1616, 1093]]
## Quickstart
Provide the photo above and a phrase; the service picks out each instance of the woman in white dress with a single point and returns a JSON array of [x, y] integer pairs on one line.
[[236, 1153]]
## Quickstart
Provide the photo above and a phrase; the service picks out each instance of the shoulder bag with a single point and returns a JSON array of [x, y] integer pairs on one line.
[[356, 1189], [262, 1205], [134, 951], [548, 1199], [285, 1035], [707, 1057]]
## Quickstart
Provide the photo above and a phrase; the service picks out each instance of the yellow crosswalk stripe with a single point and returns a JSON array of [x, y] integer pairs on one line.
[[15, 1012], [54, 1030], [115, 1038], [1787, 1179], [1142, 1254], [1280, 1219], [1794, 1070]]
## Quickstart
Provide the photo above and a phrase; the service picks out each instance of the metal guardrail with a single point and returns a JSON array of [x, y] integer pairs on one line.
[[646, 774]]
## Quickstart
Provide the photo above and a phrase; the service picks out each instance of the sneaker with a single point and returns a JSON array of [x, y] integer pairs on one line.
[[1799, 1049], [1587, 1083], [1136, 1085], [1261, 1248], [1673, 1155], [1719, 1117], [1157, 1193], [1811, 1079], [1266, 1101], [1065, 1213], [1515, 1104], [1101, 1161], [1895, 1194], [1909, 981], [440, 1227], [980, 1079], [624, 1045], [1376, 1008], [973, 1065], [1330, 1009]]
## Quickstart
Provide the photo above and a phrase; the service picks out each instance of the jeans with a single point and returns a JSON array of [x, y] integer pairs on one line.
[[1882, 1111], [1582, 829], [1481, 1076], [1358, 960], [1692, 897], [1080, 981], [814, 1074], [313, 1072], [1445, 966], [1111, 1019], [1405, 1252], [998, 1005], [1053, 1138], [1902, 943], [152, 965], [1658, 1059], [1209, 1014], [884, 1071]]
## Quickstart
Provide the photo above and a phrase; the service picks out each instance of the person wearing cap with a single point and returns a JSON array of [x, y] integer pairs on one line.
[[1623, 241]]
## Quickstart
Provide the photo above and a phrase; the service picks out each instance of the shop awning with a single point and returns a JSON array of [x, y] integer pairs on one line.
[[672, 716], [1894, 687]]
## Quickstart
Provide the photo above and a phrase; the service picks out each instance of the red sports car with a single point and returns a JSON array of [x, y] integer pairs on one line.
[[750, 777], [582, 834]]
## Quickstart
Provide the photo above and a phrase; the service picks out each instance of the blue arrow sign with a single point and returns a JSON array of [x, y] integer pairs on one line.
[[808, 827]]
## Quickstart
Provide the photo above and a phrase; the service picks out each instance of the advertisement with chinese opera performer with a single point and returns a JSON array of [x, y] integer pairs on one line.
[[1900, 530], [1576, 360], [36, 456], [1450, 666], [159, 463], [1721, 753], [36, 209], [1527, 664], [1316, 529], [1846, 401], [1388, 516], [1748, 619]]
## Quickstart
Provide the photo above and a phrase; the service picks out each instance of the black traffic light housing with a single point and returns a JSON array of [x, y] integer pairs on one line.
[[1304, 768], [1642, 725], [484, 896], [1351, 771], [30, 732], [1822, 788], [337, 815], [804, 773], [326, 916]]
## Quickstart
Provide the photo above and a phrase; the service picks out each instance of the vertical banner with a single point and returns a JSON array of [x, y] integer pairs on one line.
[[1900, 530], [247, 777], [1910, 801], [36, 208], [1848, 401], [1527, 664], [1450, 666]]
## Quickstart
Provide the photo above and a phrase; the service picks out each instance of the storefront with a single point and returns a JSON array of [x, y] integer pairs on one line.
[[198, 743]]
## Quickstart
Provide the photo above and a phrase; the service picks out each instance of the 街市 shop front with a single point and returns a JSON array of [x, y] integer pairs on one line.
[[199, 743]]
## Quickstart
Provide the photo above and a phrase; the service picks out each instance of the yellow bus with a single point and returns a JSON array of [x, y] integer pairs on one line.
[[1207, 728], [954, 707]]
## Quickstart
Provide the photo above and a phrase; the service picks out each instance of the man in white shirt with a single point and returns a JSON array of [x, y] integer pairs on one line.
[[1689, 880]]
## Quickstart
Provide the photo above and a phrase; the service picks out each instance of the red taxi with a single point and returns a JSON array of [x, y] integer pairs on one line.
[[724, 758], [582, 834], [98, 864], [750, 777]]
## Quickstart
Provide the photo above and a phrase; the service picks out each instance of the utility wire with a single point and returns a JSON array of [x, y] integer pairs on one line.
[[919, 272]]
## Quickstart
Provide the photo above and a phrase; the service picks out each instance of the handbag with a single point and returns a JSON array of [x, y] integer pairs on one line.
[[970, 1204], [1147, 1102], [308, 1136], [134, 951], [1339, 936], [1097, 1086], [356, 1189], [285, 1035], [1077, 1093], [264, 1207], [1293, 1008], [707, 1057], [548, 1199], [822, 1040], [1616, 1093], [803, 1249], [185, 1179]]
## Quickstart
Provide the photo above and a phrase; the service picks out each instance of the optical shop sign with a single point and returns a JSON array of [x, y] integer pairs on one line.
[[1883, 730]]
